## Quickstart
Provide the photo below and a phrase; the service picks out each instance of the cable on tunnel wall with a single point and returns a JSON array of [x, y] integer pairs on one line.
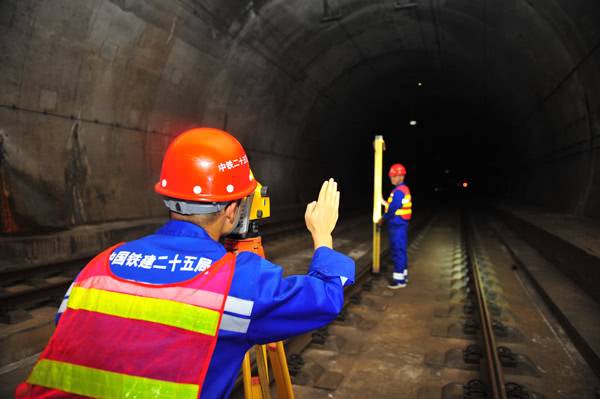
[[72, 117], [137, 129]]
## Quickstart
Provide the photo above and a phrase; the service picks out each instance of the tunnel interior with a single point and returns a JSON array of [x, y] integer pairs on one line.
[[505, 95]]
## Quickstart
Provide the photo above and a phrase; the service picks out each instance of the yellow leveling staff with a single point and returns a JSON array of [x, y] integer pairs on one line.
[[379, 146]]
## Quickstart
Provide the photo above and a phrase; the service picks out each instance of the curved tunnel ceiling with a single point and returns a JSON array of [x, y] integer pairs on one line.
[[509, 88], [497, 71]]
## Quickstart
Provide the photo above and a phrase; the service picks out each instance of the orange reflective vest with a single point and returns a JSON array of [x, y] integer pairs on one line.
[[123, 339], [405, 211]]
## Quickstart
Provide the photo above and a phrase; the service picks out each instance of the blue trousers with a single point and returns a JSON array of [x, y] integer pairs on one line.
[[398, 235]]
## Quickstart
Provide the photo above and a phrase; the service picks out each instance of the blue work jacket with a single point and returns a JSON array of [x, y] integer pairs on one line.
[[262, 305]]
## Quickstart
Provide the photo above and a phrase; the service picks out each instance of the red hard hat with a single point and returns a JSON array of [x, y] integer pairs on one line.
[[205, 165], [397, 169]]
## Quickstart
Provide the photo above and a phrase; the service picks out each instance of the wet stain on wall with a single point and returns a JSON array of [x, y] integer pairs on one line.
[[8, 223], [76, 177]]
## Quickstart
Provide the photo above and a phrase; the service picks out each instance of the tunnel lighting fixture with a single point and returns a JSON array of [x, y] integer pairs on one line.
[[412, 123], [419, 84], [465, 184]]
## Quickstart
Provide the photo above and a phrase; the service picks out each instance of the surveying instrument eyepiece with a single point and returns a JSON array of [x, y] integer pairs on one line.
[[246, 237]]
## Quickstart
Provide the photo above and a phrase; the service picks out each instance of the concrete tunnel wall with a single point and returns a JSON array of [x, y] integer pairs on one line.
[[94, 90]]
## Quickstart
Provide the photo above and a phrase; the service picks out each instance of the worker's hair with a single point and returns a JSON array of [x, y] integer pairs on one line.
[[201, 220]]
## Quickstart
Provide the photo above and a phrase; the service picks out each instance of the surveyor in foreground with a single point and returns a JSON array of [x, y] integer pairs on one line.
[[172, 314]]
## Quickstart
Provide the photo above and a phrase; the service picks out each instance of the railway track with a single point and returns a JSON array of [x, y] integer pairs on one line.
[[481, 314], [488, 337], [493, 357], [478, 307], [505, 323]]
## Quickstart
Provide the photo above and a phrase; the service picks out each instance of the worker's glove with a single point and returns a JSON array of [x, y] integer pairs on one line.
[[322, 215]]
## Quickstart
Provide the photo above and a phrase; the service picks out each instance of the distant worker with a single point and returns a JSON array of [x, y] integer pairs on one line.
[[142, 318], [397, 215]]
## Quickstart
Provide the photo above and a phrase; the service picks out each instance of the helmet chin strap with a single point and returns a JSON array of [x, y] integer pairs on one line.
[[193, 208]]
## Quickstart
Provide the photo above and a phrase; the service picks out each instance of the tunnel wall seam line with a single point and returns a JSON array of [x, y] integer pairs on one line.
[[565, 79]]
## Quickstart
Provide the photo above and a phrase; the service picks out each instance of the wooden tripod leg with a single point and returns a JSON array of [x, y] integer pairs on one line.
[[252, 388], [263, 371], [280, 370], [247, 376], [258, 387]]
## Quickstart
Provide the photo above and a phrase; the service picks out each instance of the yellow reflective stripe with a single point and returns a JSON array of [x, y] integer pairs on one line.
[[403, 212], [192, 296], [163, 311], [390, 199], [407, 205], [98, 383]]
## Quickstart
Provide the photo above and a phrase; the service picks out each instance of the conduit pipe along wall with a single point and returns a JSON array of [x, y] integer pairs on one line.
[[92, 92]]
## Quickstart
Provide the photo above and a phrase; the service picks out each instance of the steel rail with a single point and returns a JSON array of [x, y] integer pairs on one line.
[[493, 366]]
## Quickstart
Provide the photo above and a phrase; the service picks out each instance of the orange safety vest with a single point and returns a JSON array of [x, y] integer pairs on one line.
[[123, 339], [405, 212]]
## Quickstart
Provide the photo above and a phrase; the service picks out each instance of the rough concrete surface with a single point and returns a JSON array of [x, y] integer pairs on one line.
[[93, 91]]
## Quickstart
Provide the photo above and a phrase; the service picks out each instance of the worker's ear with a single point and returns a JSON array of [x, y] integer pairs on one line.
[[231, 211]]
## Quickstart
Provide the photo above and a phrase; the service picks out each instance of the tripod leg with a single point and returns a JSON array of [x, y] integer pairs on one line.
[[263, 371], [280, 370], [252, 388], [247, 376]]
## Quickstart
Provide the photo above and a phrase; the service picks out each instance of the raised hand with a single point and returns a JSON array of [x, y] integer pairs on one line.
[[321, 215]]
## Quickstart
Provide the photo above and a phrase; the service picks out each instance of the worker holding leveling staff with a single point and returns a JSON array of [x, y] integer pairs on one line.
[[142, 318], [398, 212]]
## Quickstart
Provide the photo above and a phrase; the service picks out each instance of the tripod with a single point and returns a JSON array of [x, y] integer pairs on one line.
[[257, 387]]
